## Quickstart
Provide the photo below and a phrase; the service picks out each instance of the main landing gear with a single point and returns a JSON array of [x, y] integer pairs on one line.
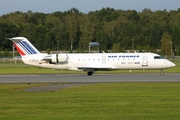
[[89, 73], [161, 72]]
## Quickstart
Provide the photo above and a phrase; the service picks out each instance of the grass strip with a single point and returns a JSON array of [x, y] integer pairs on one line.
[[93, 101]]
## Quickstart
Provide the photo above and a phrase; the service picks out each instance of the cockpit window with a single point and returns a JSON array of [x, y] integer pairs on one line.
[[158, 57]]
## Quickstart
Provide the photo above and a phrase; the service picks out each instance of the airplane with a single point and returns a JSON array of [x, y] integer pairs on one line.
[[89, 62]]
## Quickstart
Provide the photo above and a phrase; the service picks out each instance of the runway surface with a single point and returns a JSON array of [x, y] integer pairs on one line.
[[94, 78]]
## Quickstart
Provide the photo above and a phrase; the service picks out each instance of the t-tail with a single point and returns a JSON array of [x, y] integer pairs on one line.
[[24, 47]]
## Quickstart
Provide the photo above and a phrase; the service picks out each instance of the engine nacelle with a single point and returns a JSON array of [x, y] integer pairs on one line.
[[58, 58]]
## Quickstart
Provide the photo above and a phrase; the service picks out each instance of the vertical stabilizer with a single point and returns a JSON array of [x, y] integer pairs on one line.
[[23, 46]]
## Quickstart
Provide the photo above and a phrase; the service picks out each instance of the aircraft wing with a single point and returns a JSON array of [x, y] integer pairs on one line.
[[94, 68]]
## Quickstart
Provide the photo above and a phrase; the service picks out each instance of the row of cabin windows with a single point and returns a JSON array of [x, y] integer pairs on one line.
[[155, 57], [103, 59]]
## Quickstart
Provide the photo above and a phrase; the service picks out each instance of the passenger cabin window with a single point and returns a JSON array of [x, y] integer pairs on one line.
[[158, 57]]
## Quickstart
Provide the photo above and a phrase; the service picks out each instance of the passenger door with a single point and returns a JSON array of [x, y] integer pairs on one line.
[[103, 59], [145, 61]]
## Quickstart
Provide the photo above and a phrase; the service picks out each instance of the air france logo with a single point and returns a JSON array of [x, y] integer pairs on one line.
[[124, 56]]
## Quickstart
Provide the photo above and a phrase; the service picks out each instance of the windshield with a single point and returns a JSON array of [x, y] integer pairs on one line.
[[158, 57]]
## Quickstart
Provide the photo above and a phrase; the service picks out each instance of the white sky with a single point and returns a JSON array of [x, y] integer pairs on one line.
[[49, 6]]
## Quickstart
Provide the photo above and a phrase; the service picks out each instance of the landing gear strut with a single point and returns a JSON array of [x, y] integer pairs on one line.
[[89, 73], [162, 72]]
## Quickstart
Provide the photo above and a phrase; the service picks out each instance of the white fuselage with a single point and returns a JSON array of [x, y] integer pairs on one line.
[[102, 61]]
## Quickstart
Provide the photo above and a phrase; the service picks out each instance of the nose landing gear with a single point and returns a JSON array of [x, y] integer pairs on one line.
[[161, 72]]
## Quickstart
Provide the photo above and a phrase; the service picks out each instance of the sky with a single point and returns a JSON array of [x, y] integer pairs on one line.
[[85, 6]]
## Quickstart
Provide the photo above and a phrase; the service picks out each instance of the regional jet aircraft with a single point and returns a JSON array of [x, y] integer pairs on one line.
[[89, 62]]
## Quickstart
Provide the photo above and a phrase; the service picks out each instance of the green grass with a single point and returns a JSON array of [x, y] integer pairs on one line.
[[9, 67], [110, 101]]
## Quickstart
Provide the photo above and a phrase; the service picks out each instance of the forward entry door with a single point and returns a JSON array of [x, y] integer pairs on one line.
[[103, 59], [145, 61]]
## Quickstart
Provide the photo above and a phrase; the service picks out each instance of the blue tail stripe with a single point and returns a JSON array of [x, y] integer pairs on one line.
[[26, 48], [27, 52], [34, 52], [21, 47]]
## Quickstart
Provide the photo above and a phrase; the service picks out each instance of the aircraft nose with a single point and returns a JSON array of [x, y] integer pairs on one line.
[[171, 64]]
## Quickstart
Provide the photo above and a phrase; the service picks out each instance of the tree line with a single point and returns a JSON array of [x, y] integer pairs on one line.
[[115, 30]]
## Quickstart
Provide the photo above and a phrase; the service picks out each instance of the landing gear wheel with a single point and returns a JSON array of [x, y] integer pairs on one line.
[[89, 73], [161, 73]]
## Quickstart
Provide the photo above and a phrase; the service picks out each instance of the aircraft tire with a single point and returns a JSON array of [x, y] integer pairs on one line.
[[161, 73], [89, 73]]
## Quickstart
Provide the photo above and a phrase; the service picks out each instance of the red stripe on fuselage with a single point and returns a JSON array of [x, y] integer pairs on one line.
[[19, 50]]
